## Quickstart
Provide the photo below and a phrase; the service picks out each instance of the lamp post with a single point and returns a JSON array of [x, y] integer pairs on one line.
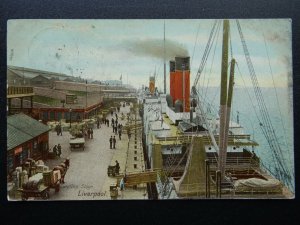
[[70, 110]]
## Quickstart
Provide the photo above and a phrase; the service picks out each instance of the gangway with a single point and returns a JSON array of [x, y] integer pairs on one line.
[[136, 178]]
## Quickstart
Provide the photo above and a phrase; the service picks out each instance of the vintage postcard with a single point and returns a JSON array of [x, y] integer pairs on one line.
[[149, 109]]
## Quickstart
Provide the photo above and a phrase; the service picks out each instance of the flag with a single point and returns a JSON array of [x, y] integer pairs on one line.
[[121, 77]]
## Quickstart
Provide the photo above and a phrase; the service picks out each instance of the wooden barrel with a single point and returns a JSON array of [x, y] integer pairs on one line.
[[35, 185], [28, 185], [47, 178]]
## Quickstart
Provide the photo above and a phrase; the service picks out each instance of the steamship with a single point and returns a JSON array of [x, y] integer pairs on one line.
[[196, 154]]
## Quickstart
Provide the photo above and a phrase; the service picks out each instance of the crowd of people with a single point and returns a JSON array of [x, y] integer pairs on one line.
[[117, 128]]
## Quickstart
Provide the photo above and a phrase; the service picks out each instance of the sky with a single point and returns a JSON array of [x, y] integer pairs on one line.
[[107, 49]]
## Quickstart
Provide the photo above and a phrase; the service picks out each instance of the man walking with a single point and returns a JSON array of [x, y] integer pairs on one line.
[[57, 129], [114, 142], [89, 133], [55, 150], [120, 133], [60, 129], [110, 142], [92, 132], [58, 150], [117, 167]]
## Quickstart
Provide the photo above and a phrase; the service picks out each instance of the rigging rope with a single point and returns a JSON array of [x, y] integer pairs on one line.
[[267, 128], [276, 94], [217, 35], [205, 54], [195, 46]]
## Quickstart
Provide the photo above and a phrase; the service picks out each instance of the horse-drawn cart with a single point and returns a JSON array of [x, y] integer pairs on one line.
[[39, 189], [77, 143], [39, 185]]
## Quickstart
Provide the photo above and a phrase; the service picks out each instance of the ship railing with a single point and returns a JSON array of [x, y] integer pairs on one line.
[[237, 162], [194, 189]]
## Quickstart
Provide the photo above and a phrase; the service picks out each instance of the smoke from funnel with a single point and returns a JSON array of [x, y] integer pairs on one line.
[[155, 48]]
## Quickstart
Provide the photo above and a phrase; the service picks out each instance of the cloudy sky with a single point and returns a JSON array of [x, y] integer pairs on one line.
[[105, 49]]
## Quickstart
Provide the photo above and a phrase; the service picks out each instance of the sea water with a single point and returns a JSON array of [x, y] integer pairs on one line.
[[279, 104]]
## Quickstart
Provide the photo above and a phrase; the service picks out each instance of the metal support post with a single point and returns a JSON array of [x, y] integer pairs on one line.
[[218, 184], [207, 181]]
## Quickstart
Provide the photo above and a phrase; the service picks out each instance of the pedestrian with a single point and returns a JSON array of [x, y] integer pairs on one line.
[[57, 129], [58, 150], [107, 122], [55, 150], [120, 133], [92, 132], [117, 167], [67, 162], [116, 130], [112, 121], [60, 130], [110, 142], [114, 142], [89, 133], [111, 113], [116, 116], [117, 122], [98, 123], [122, 184]]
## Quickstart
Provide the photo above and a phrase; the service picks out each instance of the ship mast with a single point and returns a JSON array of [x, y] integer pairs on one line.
[[223, 99]]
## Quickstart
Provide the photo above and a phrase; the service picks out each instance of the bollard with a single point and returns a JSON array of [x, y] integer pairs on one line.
[[207, 179], [218, 184]]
